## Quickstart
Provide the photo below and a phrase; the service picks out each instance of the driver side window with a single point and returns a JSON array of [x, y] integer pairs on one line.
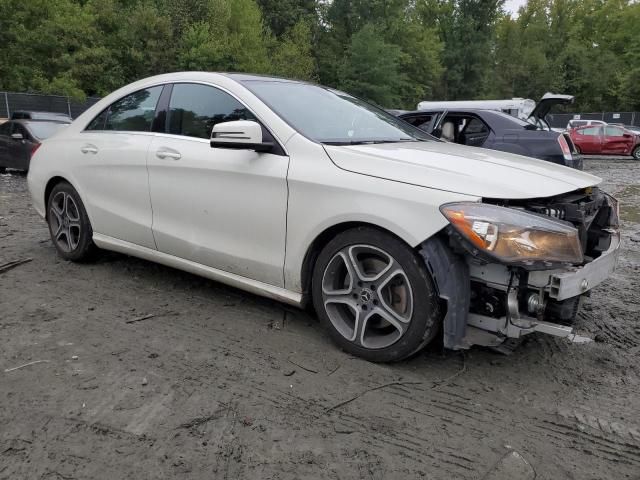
[[613, 131], [194, 109]]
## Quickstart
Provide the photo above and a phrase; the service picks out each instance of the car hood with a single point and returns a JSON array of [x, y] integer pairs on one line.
[[455, 168]]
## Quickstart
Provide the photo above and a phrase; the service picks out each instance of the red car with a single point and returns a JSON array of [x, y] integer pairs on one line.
[[606, 140]]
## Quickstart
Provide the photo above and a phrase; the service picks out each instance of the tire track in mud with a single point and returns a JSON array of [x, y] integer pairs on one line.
[[452, 407]]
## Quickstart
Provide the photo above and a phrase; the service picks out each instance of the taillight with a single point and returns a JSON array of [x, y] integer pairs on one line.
[[35, 148], [564, 146]]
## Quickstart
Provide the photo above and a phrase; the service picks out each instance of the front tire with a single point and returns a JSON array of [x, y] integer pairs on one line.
[[375, 296], [636, 153], [69, 225]]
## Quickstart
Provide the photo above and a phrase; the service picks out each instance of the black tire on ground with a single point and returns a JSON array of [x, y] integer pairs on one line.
[[380, 341], [636, 153], [3, 169], [69, 225]]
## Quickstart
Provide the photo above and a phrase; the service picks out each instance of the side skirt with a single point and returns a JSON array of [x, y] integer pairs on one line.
[[231, 279]]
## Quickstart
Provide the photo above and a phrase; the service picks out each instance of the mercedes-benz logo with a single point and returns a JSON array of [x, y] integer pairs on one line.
[[365, 296]]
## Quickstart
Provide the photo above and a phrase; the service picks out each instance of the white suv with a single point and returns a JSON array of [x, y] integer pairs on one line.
[[306, 194], [584, 123]]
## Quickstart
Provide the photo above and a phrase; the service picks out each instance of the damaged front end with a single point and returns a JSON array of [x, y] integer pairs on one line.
[[525, 264]]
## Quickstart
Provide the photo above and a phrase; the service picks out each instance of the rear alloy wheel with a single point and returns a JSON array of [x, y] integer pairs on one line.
[[69, 224], [375, 295], [636, 153]]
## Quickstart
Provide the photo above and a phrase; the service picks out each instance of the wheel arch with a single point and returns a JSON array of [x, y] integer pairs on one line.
[[53, 181], [322, 239]]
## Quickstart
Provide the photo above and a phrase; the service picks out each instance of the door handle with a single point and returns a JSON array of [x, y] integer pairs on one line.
[[166, 153], [89, 149]]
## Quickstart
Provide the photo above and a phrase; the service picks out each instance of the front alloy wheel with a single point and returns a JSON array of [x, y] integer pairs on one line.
[[367, 296], [375, 295], [636, 153]]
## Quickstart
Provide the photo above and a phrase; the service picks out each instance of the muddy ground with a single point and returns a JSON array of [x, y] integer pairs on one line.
[[223, 384]]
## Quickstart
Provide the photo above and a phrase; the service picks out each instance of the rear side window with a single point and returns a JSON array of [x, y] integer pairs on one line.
[[194, 109], [475, 125], [133, 113]]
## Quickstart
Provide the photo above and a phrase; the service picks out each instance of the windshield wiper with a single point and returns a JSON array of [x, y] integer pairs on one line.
[[371, 142]]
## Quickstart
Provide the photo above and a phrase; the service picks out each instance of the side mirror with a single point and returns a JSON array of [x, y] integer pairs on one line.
[[627, 135], [239, 135], [17, 136]]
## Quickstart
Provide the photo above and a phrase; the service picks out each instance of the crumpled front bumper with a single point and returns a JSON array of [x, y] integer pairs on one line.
[[578, 280], [463, 328]]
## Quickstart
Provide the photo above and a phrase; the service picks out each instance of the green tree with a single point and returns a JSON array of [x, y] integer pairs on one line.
[[370, 68], [292, 57], [281, 16]]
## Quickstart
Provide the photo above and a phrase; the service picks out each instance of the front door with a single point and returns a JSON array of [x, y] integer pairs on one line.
[[20, 148], [5, 142], [615, 142], [588, 139], [218, 207]]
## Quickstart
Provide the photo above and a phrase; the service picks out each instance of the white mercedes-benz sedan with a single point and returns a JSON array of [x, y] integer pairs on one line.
[[309, 195]]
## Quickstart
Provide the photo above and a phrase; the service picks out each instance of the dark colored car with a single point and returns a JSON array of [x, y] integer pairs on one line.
[[607, 140], [19, 139], [498, 131]]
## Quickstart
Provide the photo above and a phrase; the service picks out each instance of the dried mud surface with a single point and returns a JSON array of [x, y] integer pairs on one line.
[[222, 384]]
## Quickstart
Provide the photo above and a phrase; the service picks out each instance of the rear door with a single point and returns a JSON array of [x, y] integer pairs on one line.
[[615, 142], [110, 158]]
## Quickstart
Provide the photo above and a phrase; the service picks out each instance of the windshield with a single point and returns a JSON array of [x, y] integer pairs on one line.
[[44, 130], [330, 116]]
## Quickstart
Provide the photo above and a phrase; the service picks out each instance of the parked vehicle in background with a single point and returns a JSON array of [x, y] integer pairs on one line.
[[19, 139], [606, 140], [522, 108], [33, 115], [516, 107], [496, 131], [306, 194], [583, 123]]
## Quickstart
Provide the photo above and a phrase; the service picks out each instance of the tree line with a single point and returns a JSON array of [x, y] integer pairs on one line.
[[392, 52]]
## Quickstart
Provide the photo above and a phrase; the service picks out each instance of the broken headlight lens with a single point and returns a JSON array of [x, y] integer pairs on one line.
[[515, 236]]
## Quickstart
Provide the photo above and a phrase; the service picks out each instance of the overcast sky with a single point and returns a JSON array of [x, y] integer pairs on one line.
[[513, 5]]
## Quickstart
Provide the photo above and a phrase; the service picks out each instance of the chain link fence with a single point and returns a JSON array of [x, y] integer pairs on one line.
[[12, 101], [560, 120]]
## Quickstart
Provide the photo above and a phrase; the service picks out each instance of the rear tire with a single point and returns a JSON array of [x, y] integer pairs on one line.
[[69, 225], [375, 295]]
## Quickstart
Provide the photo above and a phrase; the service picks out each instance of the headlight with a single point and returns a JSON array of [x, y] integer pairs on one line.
[[514, 236]]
